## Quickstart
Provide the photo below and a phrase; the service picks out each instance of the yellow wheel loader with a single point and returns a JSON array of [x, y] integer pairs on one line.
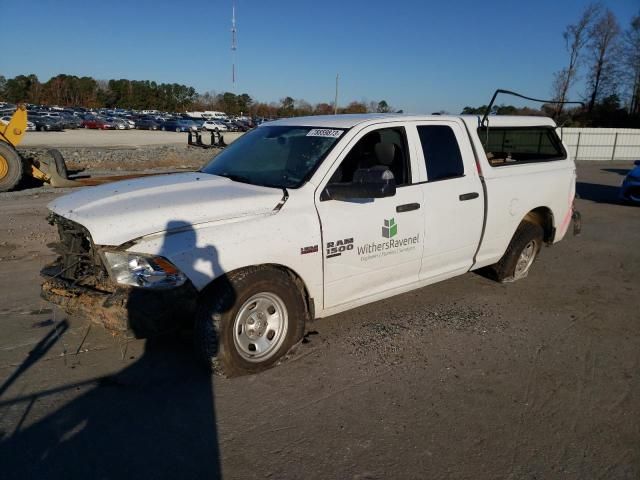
[[52, 171]]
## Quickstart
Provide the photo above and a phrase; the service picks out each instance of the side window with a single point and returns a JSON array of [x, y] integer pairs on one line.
[[506, 146], [367, 153], [441, 152]]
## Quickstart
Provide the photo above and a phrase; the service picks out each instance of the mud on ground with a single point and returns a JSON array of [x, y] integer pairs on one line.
[[463, 379]]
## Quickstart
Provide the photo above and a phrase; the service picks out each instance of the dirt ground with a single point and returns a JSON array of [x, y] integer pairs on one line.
[[464, 379]]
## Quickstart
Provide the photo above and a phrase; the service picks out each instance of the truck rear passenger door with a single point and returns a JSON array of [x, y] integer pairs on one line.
[[453, 199]]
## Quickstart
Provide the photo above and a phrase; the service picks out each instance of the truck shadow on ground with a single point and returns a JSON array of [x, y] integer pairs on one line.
[[598, 193], [154, 419]]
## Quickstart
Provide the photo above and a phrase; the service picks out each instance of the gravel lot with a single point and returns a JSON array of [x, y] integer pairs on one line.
[[462, 379], [121, 150], [109, 138]]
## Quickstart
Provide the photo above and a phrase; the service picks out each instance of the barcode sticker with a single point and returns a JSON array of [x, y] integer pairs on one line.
[[324, 132]]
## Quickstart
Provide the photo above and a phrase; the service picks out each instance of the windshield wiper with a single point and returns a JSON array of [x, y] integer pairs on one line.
[[243, 179], [236, 178]]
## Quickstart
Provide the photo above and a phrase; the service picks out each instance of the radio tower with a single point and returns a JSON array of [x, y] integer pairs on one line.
[[233, 45]]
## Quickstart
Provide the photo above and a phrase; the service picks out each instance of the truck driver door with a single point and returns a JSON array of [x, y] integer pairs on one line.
[[372, 245]]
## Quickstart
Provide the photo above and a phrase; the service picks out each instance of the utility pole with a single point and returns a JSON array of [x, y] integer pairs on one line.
[[233, 45], [335, 104]]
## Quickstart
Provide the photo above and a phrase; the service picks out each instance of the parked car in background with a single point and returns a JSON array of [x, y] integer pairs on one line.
[[46, 123], [97, 123], [630, 189], [197, 121], [118, 123], [70, 121], [214, 126], [240, 126], [179, 125], [147, 123], [90, 122], [6, 119]]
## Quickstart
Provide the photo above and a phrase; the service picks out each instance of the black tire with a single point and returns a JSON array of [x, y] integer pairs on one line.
[[58, 159], [11, 168], [221, 303], [505, 269]]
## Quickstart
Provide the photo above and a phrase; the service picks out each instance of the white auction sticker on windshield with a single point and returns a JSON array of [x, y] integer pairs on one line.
[[324, 132]]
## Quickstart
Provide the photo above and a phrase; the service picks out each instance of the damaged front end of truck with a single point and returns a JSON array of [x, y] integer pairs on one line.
[[87, 280]]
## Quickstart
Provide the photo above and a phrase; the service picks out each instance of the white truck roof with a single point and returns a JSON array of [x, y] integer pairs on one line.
[[350, 120]]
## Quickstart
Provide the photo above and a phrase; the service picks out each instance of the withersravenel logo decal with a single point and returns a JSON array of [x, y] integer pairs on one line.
[[390, 228], [373, 250]]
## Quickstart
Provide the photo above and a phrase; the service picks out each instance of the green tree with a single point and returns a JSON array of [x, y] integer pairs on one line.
[[383, 107], [23, 88], [3, 86]]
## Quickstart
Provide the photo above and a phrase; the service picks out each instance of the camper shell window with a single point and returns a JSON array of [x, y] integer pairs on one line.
[[509, 145]]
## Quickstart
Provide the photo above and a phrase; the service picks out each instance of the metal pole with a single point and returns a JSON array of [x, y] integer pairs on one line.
[[578, 146], [615, 143], [335, 104]]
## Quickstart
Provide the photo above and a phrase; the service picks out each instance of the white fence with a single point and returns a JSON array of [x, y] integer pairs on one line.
[[602, 143]]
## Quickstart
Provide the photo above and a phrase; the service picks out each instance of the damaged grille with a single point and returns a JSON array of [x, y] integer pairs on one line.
[[78, 259]]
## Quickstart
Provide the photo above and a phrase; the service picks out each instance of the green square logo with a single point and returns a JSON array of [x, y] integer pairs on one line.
[[390, 228]]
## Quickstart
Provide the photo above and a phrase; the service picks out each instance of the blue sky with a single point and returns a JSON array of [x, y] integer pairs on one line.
[[421, 56]]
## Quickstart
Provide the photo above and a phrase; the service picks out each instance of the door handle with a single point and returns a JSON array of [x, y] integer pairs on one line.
[[468, 196], [407, 207]]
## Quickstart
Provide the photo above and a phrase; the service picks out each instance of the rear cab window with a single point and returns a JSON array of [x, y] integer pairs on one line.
[[515, 145]]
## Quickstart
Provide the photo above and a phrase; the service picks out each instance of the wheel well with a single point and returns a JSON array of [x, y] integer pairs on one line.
[[542, 216], [301, 286], [297, 280]]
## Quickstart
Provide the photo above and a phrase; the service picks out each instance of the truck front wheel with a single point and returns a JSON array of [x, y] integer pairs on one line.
[[521, 253], [249, 319]]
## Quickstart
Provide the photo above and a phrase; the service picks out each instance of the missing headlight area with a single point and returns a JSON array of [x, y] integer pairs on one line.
[[78, 281], [78, 261]]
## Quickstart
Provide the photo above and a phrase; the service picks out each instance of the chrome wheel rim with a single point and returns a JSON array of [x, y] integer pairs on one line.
[[525, 259], [260, 327]]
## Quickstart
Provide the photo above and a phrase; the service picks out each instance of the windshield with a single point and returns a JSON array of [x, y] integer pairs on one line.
[[275, 156]]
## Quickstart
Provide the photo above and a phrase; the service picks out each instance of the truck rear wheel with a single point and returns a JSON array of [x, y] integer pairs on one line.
[[10, 167], [520, 255], [248, 320]]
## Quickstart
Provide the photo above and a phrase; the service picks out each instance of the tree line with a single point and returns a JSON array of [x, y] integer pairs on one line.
[[607, 58], [72, 91]]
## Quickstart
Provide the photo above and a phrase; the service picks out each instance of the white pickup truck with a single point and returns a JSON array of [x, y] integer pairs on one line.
[[307, 217]]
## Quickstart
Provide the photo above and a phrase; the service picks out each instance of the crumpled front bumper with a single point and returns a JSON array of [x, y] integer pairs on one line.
[[143, 313]]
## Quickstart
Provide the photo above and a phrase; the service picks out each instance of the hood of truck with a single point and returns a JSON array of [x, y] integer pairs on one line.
[[119, 212]]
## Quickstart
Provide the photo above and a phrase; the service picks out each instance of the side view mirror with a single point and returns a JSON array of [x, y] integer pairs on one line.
[[376, 182], [637, 162]]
